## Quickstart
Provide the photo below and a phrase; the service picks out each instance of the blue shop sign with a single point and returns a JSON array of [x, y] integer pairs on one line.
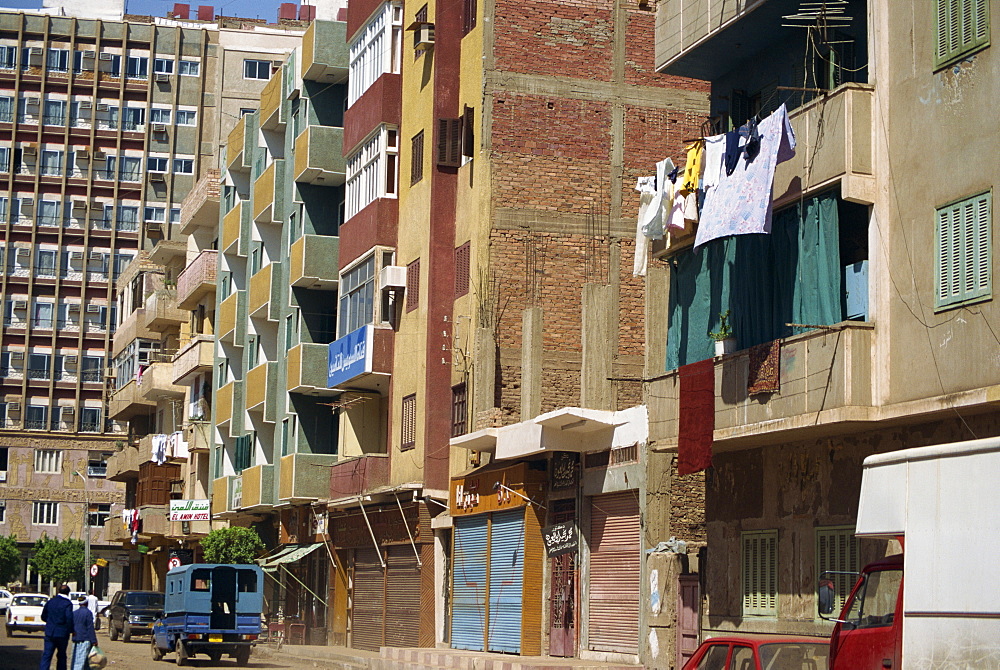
[[350, 356]]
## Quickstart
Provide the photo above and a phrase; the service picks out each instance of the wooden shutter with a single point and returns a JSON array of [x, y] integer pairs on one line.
[[417, 158], [837, 551], [615, 572], [462, 260], [961, 27], [412, 285], [963, 248], [408, 434], [449, 142], [760, 573]]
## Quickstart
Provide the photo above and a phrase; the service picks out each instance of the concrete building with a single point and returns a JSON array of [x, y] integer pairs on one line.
[[106, 128], [899, 358]]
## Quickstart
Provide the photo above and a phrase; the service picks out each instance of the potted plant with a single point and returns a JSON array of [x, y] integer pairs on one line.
[[725, 341]]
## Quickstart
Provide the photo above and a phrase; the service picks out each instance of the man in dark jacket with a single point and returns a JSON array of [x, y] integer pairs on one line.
[[84, 635], [58, 617]]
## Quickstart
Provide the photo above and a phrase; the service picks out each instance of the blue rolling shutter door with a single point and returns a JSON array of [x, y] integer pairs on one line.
[[468, 609], [506, 581]]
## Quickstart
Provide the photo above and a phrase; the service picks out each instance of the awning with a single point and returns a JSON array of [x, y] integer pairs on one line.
[[288, 555]]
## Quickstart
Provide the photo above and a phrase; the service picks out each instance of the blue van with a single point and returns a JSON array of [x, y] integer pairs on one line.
[[210, 609]]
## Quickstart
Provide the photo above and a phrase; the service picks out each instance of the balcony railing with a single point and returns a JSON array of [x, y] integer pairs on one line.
[[197, 280]]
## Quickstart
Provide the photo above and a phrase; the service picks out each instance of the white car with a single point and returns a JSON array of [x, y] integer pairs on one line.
[[25, 613], [5, 598]]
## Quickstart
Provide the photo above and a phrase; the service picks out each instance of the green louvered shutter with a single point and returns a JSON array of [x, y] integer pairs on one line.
[[961, 27], [837, 551], [760, 573], [963, 247]]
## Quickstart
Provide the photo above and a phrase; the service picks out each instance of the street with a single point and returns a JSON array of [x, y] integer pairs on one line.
[[24, 651]]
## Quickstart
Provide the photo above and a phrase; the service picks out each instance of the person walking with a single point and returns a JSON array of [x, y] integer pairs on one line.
[[84, 635], [58, 617], [92, 606]]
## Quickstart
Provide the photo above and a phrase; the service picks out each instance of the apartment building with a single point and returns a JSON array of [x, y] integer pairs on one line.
[[106, 127], [898, 354]]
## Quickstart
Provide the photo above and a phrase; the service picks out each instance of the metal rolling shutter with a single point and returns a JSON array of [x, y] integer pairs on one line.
[[506, 581], [369, 596], [402, 598], [468, 609], [615, 571]]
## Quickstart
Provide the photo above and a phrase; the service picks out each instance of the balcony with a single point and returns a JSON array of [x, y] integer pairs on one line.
[[826, 379], [324, 52], [200, 209], [232, 317], [132, 328], [274, 103], [222, 495], [228, 400], [314, 262], [319, 157], [195, 357], [158, 383], [355, 476], [261, 393], [128, 402], [123, 465], [115, 531], [236, 229], [361, 360], [258, 488], [198, 435], [160, 311], [269, 193], [155, 521], [303, 478], [167, 252], [240, 144], [306, 369], [265, 293], [197, 281]]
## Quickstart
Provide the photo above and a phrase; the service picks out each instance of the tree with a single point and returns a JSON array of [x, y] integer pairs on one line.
[[232, 545], [58, 560], [10, 559]]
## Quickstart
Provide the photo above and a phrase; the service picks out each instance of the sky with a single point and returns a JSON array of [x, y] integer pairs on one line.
[[264, 9]]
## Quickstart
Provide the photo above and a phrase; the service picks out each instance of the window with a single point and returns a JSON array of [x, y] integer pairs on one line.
[[375, 51], [156, 164], [417, 157], [91, 370], [163, 65], [48, 461], [462, 260], [837, 551], [371, 171], [3, 511], [37, 417], [49, 212], [357, 292], [459, 410], [128, 218], [45, 513], [760, 573], [468, 16], [8, 57], [75, 120], [133, 118], [961, 27], [129, 168], [875, 604], [159, 116], [246, 110], [42, 318], [6, 109], [412, 285], [964, 257], [45, 262], [256, 69], [54, 113], [156, 214], [189, 68], [98, 514], [51, 165], [408, 436], [183, 166], [57, 60], [243, 453], [186, 117], [136, 67]]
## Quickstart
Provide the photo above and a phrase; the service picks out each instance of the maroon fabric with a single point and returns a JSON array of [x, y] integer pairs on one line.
[[697, 416]]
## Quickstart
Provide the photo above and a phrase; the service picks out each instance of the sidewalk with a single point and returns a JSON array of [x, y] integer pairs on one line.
[[390, 658]]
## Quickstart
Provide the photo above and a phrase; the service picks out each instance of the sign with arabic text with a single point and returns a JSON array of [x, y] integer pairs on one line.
[[560, 538], [189, 510], [350, 356]]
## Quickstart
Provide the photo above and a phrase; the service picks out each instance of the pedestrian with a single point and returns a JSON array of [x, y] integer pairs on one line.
[[84, 635], [92, 606], [58, 617]]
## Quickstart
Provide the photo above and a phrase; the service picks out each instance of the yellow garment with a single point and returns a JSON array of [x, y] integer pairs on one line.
[[692, 171]]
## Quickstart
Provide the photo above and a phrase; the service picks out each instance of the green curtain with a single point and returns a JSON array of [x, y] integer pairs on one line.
[[793, 275]]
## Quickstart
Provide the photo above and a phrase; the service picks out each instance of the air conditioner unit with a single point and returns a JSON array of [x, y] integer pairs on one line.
[[76, 255], [93, 309], [34, 51], [159, 127], [89, 53], [82, 153], [96, 204], [96, 256], [86, 104], [27, 204], [29, 148], [13, 407], [110, 373], [73, 306], [105, 56], [424, 37], [392, 277], [23, 251], [71, 360], [162, 76], [99, 155], [79, 205], [17, 355], [68, 411], [20, 304], [103, 106], [157, 176], [31, 101]]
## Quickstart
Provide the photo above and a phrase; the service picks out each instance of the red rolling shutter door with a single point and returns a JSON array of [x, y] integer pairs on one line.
[[615, 571]]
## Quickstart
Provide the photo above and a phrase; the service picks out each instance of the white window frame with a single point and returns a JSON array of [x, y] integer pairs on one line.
[[375, 51], [163, 65], [189, 68], [44, 513], [358, 302], [155, 214], [368, 170], [186, 166], [48, 461], [160, 164], [258, 64], [190, 117], [160, 115]]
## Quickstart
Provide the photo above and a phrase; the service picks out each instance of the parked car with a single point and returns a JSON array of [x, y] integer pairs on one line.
[[133, 613], [761, 652], [25, 613], [5, 598]]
